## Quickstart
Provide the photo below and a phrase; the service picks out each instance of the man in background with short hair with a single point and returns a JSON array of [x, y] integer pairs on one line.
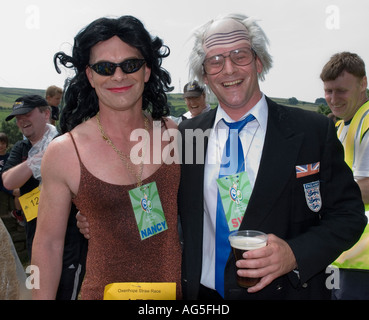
[[345, 87]]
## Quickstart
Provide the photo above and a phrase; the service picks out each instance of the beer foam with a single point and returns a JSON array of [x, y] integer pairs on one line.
[[247, 243]]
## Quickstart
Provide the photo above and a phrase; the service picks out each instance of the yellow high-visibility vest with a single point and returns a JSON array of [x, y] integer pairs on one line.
[[358, 256]]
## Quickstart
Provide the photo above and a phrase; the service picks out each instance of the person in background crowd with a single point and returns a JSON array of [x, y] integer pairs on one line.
[[7, 204], [195, 98], [32, 114], [345, 86], [54, 96], [22, 170], [296, 186]]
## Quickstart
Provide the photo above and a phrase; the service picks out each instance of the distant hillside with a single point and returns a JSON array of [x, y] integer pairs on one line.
[[178, 105], [9, 95], [300, 104]]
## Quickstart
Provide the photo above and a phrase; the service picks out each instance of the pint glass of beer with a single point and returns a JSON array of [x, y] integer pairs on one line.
[[246, 240]]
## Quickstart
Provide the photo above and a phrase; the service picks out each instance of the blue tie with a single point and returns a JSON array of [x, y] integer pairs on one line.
[[232, 163]]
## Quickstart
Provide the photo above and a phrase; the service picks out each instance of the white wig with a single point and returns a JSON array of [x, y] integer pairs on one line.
[[258, 39]]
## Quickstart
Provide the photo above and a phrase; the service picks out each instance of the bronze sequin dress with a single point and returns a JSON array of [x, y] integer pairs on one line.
[[116, 252]]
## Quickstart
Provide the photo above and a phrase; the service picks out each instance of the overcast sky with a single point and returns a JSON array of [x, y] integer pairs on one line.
[[303, 35]]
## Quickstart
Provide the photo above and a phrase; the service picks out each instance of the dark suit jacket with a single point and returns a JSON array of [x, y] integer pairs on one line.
[[278, 204]]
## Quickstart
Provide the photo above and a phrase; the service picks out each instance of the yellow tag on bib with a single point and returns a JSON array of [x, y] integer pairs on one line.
[[29, 203], [140, 291]]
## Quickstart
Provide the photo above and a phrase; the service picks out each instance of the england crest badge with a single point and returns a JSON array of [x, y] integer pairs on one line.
[[312, 195]]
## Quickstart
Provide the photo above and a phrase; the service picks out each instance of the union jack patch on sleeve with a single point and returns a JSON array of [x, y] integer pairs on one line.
[[307, 170]]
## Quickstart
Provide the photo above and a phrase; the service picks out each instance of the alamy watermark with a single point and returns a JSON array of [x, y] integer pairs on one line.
[[333, 20], [33, 17], [333, 279], [193, 146], [33, 280]]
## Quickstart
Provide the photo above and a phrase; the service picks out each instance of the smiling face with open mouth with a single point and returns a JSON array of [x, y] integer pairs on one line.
[[33, 124], [196, 105], [236, 86]]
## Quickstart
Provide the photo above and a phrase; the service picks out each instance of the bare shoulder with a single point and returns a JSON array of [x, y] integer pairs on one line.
[[63, 148], [60, 158], [60, 167], [61, 145]]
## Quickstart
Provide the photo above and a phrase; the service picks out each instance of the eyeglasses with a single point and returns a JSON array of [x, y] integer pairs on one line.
[[240, 57], [106, 68]]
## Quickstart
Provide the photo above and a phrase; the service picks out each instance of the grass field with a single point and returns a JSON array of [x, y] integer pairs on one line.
[[4, 114]]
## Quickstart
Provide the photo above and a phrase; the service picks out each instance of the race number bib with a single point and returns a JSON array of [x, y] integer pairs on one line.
[[29, 203]]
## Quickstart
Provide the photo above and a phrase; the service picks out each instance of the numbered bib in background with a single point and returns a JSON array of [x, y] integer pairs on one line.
[[29, 203]]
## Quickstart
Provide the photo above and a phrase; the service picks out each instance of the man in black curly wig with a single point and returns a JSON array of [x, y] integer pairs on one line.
[[118, 91]]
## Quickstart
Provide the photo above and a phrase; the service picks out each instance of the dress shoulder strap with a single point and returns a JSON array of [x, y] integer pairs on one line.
[[75, 146]]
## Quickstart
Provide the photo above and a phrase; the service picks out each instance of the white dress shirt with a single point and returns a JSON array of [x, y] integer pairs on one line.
[[252, 137]]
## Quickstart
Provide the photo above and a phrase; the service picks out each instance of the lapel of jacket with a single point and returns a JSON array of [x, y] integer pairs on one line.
[[278, 159], [205, 124]]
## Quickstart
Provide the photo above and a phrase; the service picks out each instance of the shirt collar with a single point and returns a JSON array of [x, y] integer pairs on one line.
[[259, 111]]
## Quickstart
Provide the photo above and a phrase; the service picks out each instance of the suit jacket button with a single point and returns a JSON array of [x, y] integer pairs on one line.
[[279, 287], [305, 285]]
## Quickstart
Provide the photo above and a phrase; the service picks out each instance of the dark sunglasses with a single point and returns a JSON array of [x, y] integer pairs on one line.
[[106, 68]]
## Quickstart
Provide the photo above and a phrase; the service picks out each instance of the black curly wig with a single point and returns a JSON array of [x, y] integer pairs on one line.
[[80, 99]]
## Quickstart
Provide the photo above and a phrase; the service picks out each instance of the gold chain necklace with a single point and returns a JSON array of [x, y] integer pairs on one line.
[[126, 159]]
